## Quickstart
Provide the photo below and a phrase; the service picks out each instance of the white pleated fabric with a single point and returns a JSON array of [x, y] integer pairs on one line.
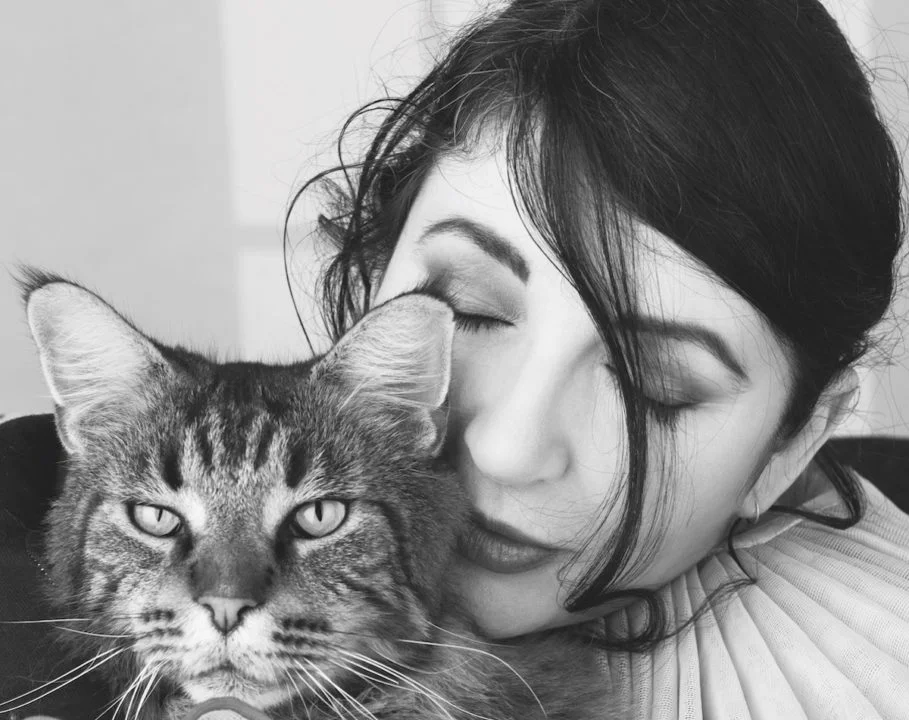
[[823, 635]]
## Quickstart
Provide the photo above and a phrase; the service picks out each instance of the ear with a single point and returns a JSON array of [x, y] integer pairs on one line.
[[95, 363], [789, 461], [399, 356]]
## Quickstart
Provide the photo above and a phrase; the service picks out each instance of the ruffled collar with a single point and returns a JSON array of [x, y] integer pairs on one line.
[[823, 633]]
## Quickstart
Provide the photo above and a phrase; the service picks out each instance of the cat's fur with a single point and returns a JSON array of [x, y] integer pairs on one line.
[[355, 621]]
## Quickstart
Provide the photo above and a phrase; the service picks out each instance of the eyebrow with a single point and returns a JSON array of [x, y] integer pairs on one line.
[[698, 334], [502, 251], [486, 239]]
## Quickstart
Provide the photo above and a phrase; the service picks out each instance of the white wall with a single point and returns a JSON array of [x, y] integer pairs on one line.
[[878, 30], [292, 76], [113, 169], [149, 150]]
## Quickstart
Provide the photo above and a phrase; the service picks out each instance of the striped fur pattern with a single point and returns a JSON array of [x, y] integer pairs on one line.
[[241, 597]]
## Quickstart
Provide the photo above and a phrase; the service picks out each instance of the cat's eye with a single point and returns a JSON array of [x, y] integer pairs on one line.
[[318, 518], [155, 520]]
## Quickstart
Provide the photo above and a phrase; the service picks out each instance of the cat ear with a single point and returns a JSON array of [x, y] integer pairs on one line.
[[399, 355], [95, 363]]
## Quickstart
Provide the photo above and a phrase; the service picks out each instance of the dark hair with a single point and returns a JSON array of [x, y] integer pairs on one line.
[[743, 131]]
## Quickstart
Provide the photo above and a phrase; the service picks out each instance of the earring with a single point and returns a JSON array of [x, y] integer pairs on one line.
[[757, 512]]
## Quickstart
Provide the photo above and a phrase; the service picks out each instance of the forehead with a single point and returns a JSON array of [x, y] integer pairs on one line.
[[669, 283]]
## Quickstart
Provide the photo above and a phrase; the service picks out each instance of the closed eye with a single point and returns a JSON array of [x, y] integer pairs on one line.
[[469, 304], [471, 322]]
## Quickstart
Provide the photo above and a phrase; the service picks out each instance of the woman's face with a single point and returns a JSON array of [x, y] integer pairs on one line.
[[537, 427]]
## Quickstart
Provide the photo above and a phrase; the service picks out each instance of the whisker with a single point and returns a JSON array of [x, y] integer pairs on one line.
[[105, 709], [321, 692], [423, 671], [484, 653], [373, 636], [466, 638], [299, 694], [483, 717], [149, 686], [118, 701], [91, 634], [57, 621], [51, 620], [100, 659], [353, 701], [358, 669], [435, 698], [385, 680], [359, 673], [130, 691]]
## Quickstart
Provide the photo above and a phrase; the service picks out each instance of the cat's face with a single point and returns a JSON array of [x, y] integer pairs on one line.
[[248, 530]]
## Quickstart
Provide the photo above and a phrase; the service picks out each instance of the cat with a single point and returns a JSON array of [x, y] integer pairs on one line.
[[279, 534]]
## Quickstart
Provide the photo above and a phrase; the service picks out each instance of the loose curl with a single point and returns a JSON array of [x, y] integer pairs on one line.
[[746, 133]]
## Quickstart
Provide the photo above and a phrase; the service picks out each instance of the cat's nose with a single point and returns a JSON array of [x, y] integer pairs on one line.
[[226, 612]]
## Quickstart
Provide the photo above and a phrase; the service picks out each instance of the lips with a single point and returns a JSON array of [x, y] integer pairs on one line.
[[500, 548]]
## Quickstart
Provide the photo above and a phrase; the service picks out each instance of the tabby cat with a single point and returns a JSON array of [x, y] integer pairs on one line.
[[278, 534]]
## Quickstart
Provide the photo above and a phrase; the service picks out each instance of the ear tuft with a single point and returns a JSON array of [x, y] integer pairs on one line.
[[29, 279], [95, 363]]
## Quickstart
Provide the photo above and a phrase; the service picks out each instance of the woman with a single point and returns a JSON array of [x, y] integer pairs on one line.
[[668, 230]]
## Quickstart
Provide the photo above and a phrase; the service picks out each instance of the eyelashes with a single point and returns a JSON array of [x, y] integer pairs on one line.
[[442, 287], [471, 322], [665, 414], [666, 411]]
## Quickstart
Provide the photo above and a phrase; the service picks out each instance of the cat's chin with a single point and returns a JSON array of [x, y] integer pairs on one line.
[[228, 684]]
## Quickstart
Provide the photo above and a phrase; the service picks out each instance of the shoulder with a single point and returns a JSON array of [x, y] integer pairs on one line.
[[30, 456]]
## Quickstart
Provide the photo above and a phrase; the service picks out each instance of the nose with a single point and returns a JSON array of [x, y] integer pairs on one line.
[[226, 612], [518, 437]]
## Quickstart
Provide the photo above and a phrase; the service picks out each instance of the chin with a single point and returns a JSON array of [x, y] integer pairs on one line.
[[503, 606], [259, 695]]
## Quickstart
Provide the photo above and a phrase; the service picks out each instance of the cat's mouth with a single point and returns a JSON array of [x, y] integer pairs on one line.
[[229, 674], [225, 667]]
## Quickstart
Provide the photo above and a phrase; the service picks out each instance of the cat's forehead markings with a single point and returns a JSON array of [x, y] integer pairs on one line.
[[297, 465], [263, 444], [302, 470], [203, 444], [171, 472]]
